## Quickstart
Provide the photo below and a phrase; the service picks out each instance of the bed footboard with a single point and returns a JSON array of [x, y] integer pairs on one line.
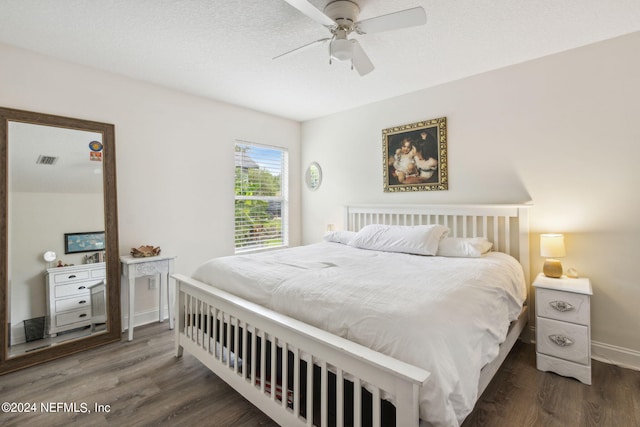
[[295, 373]]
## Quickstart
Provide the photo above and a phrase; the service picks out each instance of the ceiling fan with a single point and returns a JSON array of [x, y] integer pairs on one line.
[[340, 18]]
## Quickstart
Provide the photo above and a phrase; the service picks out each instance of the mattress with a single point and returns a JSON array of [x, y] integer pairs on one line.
[[445, 315]]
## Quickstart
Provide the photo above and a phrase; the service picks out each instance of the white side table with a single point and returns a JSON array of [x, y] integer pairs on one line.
[[161, 265], [563, 326]]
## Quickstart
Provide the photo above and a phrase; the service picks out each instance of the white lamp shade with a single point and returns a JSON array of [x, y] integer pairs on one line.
[[49, 256], [341, 49], [552, 245]]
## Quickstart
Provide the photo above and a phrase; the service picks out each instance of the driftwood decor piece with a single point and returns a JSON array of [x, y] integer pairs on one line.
[[145, 251]]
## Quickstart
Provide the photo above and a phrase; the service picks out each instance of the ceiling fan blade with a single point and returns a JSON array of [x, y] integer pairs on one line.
[[392, 21], [308, 9], [302, 47], [360, 60]]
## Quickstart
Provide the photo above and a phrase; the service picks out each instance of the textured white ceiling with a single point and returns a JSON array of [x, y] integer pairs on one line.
[[223, 49]]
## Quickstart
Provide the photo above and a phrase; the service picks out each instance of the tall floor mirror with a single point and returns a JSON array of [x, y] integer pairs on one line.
[[59, 269]]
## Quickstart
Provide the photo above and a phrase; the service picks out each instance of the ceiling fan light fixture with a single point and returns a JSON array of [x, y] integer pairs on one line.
[[341, 49], [340, 17]]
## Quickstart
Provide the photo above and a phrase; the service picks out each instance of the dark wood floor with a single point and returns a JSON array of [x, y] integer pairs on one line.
[[520, 395], [143, 384]]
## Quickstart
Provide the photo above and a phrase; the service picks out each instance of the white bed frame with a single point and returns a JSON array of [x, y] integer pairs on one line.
[[241, 323]]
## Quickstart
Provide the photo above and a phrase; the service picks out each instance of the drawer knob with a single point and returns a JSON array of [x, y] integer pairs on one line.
[[561, 306], [73, 276], [82, 301], [82, 287], [561, 340], [83, 315]]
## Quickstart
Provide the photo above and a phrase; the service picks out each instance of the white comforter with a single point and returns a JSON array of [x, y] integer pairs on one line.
[[446, 315]]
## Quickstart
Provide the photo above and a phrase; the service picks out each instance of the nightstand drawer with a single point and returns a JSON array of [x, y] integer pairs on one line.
[[564, 340], [564, 306]]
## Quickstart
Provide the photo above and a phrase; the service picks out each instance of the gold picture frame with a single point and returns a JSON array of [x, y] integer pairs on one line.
[[415, 156]]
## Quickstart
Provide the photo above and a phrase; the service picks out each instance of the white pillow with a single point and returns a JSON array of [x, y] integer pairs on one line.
[[419, 240], [339, 236], [467, 247]]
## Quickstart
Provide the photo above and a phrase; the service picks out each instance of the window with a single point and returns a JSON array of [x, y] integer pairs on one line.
[[261, 197]]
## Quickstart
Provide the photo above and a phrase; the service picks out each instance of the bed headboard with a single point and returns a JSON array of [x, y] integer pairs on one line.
[[506, 226]]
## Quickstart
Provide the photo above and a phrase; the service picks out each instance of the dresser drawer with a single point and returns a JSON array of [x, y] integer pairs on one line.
[[99, 274], [71, 317], [564, 340], [66, 304], [564, 306], [71, 276], [70, 290]]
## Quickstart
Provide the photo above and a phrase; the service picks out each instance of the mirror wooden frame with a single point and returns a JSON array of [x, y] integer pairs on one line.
[[114, 327]]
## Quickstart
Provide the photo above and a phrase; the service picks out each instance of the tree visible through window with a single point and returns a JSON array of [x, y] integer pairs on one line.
[[261, 202]]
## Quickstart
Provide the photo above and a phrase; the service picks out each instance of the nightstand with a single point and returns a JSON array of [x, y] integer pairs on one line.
[[563, 326]]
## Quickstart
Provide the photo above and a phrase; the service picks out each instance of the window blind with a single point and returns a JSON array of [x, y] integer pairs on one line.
[[260, 197]]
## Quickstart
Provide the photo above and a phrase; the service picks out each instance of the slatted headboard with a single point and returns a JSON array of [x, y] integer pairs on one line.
[[506, 226]]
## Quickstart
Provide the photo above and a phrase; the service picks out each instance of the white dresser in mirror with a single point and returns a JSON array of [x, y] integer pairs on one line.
[[75, 297]]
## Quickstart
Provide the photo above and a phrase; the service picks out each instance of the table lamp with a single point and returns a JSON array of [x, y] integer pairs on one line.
[[552, 247], [49, 257]]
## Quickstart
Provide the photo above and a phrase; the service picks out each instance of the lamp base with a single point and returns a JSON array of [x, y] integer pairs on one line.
[[552, 268]]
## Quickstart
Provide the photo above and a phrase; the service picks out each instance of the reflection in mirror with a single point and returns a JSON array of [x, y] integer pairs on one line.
[[60, 294], [55, 187], [313, 176]]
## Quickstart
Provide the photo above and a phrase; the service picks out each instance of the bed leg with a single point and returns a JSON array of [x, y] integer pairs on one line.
[[179, 310]]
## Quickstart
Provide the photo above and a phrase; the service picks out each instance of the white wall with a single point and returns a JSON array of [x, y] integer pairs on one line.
[[561, 131], [174, 153]]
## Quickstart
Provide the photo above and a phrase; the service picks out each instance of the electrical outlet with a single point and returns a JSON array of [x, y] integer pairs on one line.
[[152, 283]]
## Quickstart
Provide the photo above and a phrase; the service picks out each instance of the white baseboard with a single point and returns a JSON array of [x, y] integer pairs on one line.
[[17, 336], [607, 353], [143, 318], [620, 356]]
